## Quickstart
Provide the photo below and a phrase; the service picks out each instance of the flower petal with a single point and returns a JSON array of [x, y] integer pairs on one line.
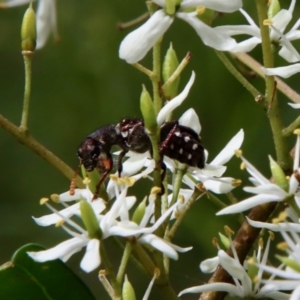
[[51, 219], [137, 43], [284, 72], [217, 287], [247, 204], [229, 150], [296, 294], [45, 21], [218, 5], [63, 250], [191, 119], [294, 105], [209, 36], [275, 227], [91, 259], [231, 265], [12, 3], [175, 102], [209, 265], [219, 186], [246, 45], [159, 244]]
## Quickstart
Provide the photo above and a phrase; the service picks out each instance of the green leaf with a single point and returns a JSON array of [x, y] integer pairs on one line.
[[23, 278]]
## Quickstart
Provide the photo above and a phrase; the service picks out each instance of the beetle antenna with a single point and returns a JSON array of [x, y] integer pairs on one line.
[[73, 181]]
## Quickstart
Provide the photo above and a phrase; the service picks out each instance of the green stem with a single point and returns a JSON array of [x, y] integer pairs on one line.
[[27, 140], [281, 147], [125, 25], [157, 101], [231, 68], [124, 261], [110, 272], [256, 67], [144, 70], [177, 183], [215, 200], [178, 70], [109, 289], [290, 129], [27, 62], [162, 282], [182, 214]]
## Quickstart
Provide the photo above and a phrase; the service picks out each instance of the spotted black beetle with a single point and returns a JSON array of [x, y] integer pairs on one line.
[[176, 141]]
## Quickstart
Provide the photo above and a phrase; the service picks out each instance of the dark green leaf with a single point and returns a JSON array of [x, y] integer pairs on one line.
[[23, 278]]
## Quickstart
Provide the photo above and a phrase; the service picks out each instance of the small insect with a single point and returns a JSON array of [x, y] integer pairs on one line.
[[176, 141]]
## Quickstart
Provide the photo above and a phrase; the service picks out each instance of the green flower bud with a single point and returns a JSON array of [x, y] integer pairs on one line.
[[289, 262], [28, 30], [90, 220], [170, 7], [139, 212], [170, 64], [252, 268], [148, 111], [127, 290], [224, 240], [274, 8], [278, 175]]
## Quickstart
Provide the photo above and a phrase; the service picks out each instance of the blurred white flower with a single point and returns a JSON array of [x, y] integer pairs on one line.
[[279, 23], [243, 285], [265, 190], [137, 43], [45, 19], [290, 275]]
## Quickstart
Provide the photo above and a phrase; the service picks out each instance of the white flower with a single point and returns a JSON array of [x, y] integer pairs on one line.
[[243, 286], [45, 19], [137, 43], [80, 237], [265, 190], [279, 24], [98, 206], [290, 276], [90, 261], [142, 234]]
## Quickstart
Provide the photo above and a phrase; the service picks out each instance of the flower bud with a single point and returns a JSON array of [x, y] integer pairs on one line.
[[148, 111], [170, 7], [278, 175], [28, 30], [289, 262], [224, 240], [127, 290], [252, 268], [274, 8], [170, 64], [139, 212], [90, 220]]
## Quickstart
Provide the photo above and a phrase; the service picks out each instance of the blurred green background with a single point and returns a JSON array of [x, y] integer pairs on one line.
[[80, 84]]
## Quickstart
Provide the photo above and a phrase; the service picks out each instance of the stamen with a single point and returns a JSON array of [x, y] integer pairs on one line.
[[228, 230], [43, 201], [55, 198], [267, 22], [238, 153], [282, 246], [200, 10], [236, 182]]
